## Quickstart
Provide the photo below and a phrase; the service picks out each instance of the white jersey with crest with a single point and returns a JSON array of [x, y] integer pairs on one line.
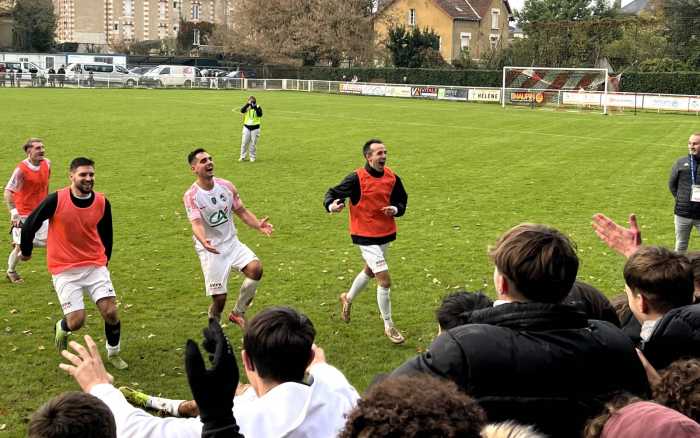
[[215, 208]]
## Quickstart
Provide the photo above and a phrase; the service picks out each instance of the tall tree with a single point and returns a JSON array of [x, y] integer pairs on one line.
[[186, 31], [683, 29], [35, 25], [302, 30], [414, 48]]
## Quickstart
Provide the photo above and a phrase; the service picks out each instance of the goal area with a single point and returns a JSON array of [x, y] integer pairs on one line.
[[579, 88]]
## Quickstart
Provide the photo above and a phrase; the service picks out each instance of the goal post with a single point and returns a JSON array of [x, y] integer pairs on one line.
[[559, 87]]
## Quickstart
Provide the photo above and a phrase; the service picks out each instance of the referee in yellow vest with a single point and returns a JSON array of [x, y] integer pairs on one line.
[[252, 115]]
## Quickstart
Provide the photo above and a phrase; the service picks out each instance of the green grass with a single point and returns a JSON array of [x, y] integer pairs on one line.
[[471, 172]]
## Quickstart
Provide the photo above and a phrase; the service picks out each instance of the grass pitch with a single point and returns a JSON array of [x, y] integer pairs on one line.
[[471, 172]]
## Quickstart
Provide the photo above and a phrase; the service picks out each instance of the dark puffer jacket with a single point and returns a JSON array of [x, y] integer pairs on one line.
[[541, 364], [676, 336], [679, 184]]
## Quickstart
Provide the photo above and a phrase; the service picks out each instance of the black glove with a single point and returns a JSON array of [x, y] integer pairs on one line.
[[213, 388]]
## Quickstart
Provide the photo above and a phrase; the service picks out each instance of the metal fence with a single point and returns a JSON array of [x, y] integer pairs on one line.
[[557, 99]]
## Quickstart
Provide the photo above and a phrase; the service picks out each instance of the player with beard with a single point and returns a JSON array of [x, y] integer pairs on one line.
[[210, 203], [377, 196], [28, 186], [79, 247]]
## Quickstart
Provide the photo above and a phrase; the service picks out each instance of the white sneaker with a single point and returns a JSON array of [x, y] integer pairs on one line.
[[252, 160], [394, 335], [241, 159]]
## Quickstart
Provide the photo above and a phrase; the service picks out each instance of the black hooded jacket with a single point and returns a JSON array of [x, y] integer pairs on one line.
[[535, 363], [676, 336]]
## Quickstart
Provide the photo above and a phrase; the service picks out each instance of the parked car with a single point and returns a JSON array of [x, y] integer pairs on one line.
[[172, 75], [102, 73], [140, 70]]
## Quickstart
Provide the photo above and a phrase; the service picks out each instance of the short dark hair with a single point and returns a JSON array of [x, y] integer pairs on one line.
[[73, 415], [663, 277], [415, 406], [679, 387], [278, 341], [455, 308], [80, 161], [540, 261], [28, 144], [368, 145], [192, 155]]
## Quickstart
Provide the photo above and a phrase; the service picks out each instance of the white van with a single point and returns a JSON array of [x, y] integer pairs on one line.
[[172, 75], [102, 73]]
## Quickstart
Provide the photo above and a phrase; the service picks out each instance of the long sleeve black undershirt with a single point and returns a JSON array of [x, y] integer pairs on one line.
[[349, 187], [46, 210], [258, 109]]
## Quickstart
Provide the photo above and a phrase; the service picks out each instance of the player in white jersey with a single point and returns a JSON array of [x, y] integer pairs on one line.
[[210, 203]]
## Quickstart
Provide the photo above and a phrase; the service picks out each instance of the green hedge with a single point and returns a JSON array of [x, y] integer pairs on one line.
[[640, 82], [668, 83], [420, 76]]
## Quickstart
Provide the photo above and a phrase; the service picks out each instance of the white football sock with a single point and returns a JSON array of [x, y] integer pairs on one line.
[[358, 284], [164, 404], [112, 349], [246, 295], [13, 259], [384, 302]]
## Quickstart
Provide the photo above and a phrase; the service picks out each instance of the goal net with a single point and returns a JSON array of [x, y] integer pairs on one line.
[[581, 88]]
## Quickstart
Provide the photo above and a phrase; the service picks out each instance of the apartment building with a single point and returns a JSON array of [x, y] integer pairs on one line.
[[109, 21]]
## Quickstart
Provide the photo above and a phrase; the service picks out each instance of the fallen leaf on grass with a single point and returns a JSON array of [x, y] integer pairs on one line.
[[26, 332], [13, 311], [41, 348], [151, 336]]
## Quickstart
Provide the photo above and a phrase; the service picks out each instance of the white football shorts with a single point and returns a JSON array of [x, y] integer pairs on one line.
[[71, 284], [374, 256], [217, 267], [39, 238]]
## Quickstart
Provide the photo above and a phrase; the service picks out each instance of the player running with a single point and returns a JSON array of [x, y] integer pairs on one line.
[[377, 196], [78, 249], [210, 203], [28, 186]]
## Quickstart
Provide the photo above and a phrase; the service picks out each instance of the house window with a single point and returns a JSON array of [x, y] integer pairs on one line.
[[493, 38], [174, 5], [128, 8], [195, 42], [495, 18], [439, 42], [195, 11], [163, 6], [464, 40], [116, 26], [412, 17]]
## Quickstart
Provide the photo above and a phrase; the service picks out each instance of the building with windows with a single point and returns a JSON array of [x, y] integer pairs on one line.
[[103, 22], [474, 25]]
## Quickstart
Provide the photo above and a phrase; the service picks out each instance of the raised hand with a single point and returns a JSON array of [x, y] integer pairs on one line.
[[337, 206], [87, 367], [213, 388], [622, 240], [265, 227]]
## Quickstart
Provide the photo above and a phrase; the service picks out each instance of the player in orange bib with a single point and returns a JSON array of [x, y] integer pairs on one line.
[[377, 196], [78, 249], [28, 186]]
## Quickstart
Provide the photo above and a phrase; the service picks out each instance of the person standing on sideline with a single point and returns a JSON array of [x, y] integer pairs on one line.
[[252, 116], [684, 184], [28, 186], [78, 249], [61, 76], [377, 196], [210, 203]]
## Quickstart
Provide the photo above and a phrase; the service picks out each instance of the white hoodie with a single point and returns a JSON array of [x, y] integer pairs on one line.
[[292, 410]]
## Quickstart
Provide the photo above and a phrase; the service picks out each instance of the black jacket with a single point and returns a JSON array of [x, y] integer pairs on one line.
[[535, 363], [676, 336], [680, 186]]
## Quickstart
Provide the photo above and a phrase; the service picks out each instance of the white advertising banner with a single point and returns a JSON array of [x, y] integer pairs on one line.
[[350, 88], [394, 91], [577, 98], [673, 103], [694, 104], [452, 93], [624, 100], [373, 90], [484, 95]]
